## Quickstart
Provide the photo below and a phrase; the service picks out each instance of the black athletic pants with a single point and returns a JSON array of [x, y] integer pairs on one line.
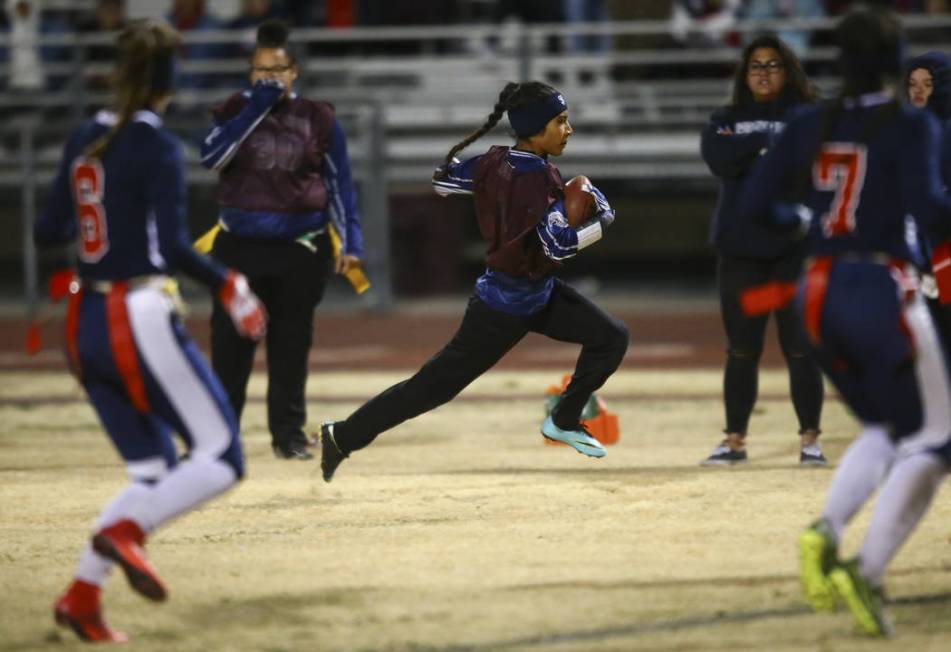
[[745, 337], [484, 336], [289, 279]]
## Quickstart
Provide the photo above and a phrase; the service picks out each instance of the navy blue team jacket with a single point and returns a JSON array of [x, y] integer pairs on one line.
[[730, 144]]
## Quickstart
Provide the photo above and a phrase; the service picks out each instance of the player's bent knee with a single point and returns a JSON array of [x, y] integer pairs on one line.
[[622, 336]]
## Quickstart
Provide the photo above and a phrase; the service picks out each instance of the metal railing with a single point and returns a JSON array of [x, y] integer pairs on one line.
[[401, 112]]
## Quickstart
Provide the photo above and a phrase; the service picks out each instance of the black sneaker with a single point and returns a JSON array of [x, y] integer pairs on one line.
[[723, 455], [330, 454], [811, 455], [295, 450]]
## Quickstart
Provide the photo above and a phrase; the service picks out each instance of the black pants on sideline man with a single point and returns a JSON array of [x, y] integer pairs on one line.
[[484, 336], [289, 279], [745, 336]]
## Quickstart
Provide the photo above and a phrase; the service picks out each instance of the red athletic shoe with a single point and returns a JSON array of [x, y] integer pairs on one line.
[[79, 610], [122, 542]]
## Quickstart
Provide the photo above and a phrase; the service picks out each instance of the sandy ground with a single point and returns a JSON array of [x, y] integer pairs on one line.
[[461, 531]]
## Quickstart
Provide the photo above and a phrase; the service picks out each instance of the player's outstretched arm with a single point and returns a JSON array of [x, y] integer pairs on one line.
[[457, 178]]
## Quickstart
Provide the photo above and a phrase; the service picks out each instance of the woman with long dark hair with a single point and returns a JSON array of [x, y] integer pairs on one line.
[[769, 81], [120, 193], [860, 175], [519, 202]]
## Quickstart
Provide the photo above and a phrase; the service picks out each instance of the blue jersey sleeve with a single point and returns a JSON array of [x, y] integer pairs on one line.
[[457, 178], [57, 223], [728, 154], [559, 240], [342, 195], [224, 138], [165, 194]]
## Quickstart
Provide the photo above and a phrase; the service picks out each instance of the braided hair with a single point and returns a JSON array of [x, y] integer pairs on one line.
[[512, 96], [143, 75]]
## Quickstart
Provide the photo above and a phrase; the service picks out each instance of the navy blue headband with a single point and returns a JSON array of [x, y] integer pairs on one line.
[[530, 119]]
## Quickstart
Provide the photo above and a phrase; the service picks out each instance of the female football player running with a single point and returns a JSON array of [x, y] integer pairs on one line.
[[519, 202]]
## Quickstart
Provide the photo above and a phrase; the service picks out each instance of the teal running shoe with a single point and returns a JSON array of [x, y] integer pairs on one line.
[[578, 439]]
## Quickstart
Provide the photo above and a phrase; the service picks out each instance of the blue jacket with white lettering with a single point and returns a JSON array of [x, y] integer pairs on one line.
[[730, 145]]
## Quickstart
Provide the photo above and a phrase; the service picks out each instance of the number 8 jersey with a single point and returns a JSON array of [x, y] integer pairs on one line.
[[127, 209], [872, 186]]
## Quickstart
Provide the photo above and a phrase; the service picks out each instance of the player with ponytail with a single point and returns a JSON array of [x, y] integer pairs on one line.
[[520, 206], [120, 192]]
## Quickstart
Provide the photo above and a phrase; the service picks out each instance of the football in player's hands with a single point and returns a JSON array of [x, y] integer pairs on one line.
[[580, 205]]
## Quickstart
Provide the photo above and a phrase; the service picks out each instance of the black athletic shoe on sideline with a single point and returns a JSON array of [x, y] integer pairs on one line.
[[295, 450], [723, 455], [330, 454], [811, 455]]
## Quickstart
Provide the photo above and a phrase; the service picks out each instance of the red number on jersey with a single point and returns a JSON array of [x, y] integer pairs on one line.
[[88, 181], [840, 167]]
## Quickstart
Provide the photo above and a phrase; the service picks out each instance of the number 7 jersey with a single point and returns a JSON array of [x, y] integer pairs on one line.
[[872, 187], [127, 208]]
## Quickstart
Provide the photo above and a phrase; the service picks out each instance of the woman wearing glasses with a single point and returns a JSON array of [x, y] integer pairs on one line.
[[768, 81], [285, 192]]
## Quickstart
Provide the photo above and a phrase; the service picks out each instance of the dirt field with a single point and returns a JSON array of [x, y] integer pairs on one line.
[[462, 531]]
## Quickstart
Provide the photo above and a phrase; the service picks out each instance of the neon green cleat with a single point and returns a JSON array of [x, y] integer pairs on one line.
[[817, 557], [866, 602]]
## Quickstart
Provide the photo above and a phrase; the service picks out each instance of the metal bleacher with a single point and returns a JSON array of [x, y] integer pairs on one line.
[[635, 121]]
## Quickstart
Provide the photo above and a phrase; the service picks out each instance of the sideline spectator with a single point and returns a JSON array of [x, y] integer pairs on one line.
[[768, 82]]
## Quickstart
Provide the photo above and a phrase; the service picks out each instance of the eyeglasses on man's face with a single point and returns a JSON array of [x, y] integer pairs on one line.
[[770, 67]]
